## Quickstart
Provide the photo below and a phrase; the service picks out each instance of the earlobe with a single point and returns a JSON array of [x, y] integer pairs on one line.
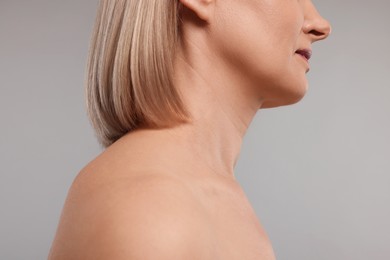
[[202, 8]]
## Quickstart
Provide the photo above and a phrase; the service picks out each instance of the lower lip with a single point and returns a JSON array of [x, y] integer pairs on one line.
[[304, 58]]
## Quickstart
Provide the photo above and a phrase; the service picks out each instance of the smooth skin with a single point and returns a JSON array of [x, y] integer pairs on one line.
[[172, 193]]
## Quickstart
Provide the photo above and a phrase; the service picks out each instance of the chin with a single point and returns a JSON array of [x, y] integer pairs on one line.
[[285, 98], [277, 103]]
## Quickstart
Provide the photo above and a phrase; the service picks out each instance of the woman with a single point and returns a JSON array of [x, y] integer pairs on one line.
[[172, 87]]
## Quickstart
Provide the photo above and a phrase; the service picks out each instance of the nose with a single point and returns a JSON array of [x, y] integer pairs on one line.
[[315, 25]]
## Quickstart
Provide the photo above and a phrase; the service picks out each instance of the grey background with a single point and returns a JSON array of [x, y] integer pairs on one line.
[[317, 173]]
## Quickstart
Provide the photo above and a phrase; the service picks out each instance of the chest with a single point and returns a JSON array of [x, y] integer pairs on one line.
[[237, 230]]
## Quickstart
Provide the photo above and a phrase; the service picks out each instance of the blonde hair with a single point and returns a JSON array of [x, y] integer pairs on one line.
[[129, 73]]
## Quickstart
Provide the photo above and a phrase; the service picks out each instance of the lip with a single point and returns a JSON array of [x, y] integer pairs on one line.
[[305, 53]]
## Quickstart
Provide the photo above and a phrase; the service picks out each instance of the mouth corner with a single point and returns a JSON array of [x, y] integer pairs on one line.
[[307, 53]]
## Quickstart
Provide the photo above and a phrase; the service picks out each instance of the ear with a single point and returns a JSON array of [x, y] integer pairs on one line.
[[202, 8]]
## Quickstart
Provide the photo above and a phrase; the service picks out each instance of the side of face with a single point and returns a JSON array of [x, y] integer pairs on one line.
[[258, 39]]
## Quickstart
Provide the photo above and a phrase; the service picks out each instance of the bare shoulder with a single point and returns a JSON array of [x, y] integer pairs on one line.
[[149, 216]]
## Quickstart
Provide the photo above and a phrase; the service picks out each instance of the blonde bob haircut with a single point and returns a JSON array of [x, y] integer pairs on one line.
[[129, 74]]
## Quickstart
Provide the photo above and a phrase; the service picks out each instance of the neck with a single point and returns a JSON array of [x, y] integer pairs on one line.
[[221, 107]]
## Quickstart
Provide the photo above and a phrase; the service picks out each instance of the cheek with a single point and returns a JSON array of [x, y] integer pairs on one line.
[[261, 33], [244, 38], [261, 46]]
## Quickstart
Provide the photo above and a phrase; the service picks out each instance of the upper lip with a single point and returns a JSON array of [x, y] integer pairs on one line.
[[305, 52]]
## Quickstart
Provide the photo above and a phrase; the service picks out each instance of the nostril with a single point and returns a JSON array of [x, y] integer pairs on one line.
[[316, 33]]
